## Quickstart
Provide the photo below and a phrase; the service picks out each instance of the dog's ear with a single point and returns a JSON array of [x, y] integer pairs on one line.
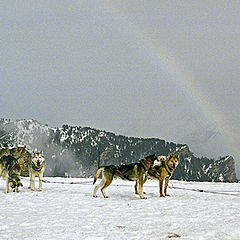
[[177, 156], [170, 155]]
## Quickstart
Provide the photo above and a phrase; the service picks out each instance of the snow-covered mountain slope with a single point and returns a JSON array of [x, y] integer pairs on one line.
[[195, 210], [76, 151]]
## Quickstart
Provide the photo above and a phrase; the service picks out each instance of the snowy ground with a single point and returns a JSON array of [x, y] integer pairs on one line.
[[68, 211]]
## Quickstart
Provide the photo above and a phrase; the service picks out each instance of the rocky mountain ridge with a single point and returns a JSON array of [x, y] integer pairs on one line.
[[76, 151]]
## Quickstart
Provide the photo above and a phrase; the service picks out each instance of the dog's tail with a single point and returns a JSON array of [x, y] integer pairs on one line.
[[97, 174]]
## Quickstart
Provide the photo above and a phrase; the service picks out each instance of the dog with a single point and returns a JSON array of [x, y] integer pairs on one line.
[[158, 161], [161, 170], [130, 172], [36, 167], [10, 170]]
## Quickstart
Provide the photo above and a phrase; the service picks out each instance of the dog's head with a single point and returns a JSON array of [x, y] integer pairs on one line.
[[15, 181], [38, 159], [158, 161], [173, 161]]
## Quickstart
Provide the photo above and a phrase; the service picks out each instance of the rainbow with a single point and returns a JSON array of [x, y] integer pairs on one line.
[[184, 80]]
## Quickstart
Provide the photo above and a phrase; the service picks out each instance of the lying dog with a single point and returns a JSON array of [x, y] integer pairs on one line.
[[10, 171], [161, 171], [36, 167], [131, 172]]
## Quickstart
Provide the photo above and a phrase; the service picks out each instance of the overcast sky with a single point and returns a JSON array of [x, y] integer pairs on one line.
[[166, 69]]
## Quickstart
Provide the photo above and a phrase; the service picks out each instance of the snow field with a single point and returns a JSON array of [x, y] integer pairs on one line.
[[68, 211]]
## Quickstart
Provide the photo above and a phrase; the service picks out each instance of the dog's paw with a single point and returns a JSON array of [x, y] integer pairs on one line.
[[106, 196], [162, 196]]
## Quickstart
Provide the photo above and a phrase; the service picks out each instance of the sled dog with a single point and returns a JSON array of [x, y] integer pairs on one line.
[[36, 167], [131, 172], [158, 161], [161, 171], [10, 171]]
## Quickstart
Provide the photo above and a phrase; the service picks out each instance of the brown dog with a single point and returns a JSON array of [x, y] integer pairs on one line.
[[162, 172], [130, 172]]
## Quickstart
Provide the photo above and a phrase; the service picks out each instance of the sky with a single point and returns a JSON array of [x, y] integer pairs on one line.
[[165, 69]]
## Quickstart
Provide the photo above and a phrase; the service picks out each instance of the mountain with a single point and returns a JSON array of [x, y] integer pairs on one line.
[[76, 151]]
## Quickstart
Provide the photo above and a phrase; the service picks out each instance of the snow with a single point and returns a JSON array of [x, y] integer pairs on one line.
[[195, 210], [221, 178], [227, 158], [64, 137]]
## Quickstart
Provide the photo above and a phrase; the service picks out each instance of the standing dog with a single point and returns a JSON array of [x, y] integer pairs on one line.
[[36, 166], [131, 172], [158, 161], [161, 171], [10, 171]]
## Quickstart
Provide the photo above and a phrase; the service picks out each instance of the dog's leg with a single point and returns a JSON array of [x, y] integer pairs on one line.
[[98, 186], [166, 185], [32, 181], [161, 187], [30, 174], [144, 180], [7, 185], [136, 187], [107, 183], [140, 187], [40, 181]]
